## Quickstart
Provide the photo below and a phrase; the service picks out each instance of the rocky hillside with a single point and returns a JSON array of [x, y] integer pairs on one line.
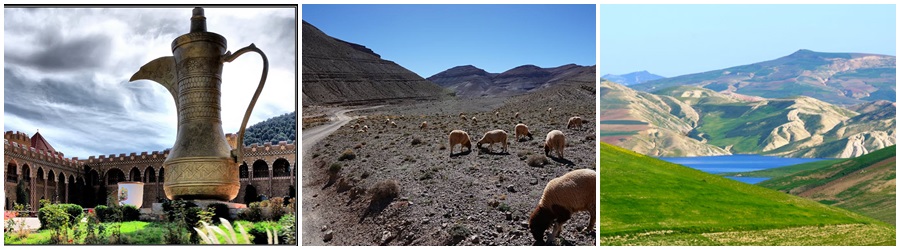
[[469, 81], [690, 120], [632, 78], [840, 78], [335, 71]]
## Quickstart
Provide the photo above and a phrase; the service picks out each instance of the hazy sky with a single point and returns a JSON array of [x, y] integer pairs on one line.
[[428, 39], [673, 40], [66, 73]]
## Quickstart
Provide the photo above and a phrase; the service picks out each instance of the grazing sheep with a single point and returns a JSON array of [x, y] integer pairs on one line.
[[556, 140], [387, 121], [497, 114], [355, 126], [424, 125], [474, 120], [563, 196], [575, 122], [393, 124], [361, 131], [463, 117], [522, 130], [460, 137], [494, 136], [517, 115], [549, 110]]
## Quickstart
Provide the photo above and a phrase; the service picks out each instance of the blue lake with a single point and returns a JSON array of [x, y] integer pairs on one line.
[[737, 163]]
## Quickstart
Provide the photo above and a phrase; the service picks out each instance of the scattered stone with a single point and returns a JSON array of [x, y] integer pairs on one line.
[[386, 237], [509, 216], [511, 188], [328, 236], [493, 203], [524, 224], [534, 181], [444, 225], [475, 239], [499, 228], [324, 228]]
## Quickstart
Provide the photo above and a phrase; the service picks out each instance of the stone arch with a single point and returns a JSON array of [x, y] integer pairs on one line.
[[51, 176], [134, 174], [260, 169], [114, 176], [162, 174], [41, 175], [60, 194], [12, 171], [244, 171], [26, 173], [72, 190], [93, 178], [149, 175], [281, 168]]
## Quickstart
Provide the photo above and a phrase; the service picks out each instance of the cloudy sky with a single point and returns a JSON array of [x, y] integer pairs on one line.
[[66, 72]]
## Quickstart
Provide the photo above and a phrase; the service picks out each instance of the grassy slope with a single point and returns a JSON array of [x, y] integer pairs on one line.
[[644, 198], [864, 184], [786, 170]]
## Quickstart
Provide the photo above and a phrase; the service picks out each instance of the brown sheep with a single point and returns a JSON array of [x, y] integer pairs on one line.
[[563, 196], [460, 137], [575, 122], [494, 136], [522, 130], [556, 141]]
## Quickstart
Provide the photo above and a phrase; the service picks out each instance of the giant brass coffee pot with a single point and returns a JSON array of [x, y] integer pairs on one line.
[[201, 164]]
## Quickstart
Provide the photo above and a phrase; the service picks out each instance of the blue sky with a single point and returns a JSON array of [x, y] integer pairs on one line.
[[673, 40], [428, 39]]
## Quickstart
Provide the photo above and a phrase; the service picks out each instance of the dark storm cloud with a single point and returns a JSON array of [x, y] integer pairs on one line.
[[58, 54], [79, 92]]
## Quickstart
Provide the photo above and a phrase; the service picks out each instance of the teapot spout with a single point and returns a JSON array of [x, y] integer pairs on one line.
[[160, 70]]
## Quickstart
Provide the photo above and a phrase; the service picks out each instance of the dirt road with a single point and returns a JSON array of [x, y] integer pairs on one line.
[[311, 234]]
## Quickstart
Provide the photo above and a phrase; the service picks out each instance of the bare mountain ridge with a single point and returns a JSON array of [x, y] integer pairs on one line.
[[336, 71], [841, 78], [469, 81]]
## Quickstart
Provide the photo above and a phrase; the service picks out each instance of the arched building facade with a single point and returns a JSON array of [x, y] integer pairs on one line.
[[45, 173]]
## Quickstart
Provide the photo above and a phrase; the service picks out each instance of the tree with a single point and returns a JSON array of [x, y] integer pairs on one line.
[[22, 196]]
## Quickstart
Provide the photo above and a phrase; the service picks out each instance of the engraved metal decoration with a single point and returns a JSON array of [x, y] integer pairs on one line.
[[201, 164]]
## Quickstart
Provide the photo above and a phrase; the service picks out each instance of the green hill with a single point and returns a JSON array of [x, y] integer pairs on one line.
[[646, 201], [784, 171], [275, 129], [865, 184]]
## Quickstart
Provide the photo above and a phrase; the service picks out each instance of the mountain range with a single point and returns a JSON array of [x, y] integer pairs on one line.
[[691, 121], [840, 78], [469, 81], [632, 78], [336, 71]]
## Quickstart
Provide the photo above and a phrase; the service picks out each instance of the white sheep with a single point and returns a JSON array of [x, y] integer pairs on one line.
[[393, 124], [549, 110], [522, 130], [494, 136], [463, 117], [517, 115], [460, 137], [387, 121], [564, 196], [474, 120], [575, 122], [424, 125], [355, 126], [556, 141], [497, 114]]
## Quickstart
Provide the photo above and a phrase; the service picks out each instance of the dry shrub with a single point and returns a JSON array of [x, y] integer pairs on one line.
[[347, 155], [385, 190]]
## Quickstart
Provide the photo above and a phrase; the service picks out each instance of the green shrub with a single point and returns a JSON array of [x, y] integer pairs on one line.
[[347, 155], [53, 217], [130, 213], [72, 210], [288, 230], [259, 231], [253, 213], [220, 211]]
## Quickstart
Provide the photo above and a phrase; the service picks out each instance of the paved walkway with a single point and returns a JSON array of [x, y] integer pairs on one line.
[[31, 223]]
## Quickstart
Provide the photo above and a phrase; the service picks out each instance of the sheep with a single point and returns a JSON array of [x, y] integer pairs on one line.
[[460, 137], [563, 196], [494, 136], [474, 120], [424, 125], [355, 126], [550, 110], [463, 117], [497, 114], [393, 124], [575, 122], [556, 140], [387, 121], [517, 115], [522, 130]]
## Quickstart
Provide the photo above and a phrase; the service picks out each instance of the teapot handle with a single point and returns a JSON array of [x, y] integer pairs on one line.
[[238, 152]]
